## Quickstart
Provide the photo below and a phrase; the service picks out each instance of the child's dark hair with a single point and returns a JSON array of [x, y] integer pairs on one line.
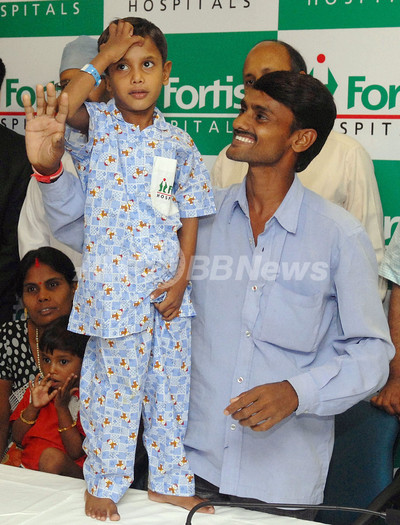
[[142, 27], [56, 336]]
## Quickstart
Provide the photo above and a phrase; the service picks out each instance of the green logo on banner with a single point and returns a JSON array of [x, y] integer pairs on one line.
[[206, 87], [388, 178], [51, 18], [335, 14], [331, 84]]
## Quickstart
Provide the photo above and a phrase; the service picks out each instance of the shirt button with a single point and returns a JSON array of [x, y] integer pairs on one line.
[[240, 380], [254, 288], [248, 333], [233, 426]]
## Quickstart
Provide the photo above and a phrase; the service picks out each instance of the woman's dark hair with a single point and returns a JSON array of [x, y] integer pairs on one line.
[[54, 258], [142, 27], [56, 336], [310, 102]]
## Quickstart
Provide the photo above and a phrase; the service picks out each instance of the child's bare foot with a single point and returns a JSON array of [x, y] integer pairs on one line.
[[187, 502], [100, 508]]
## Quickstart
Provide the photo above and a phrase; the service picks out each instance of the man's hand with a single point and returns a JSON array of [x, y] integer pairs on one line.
[[263, 406], [44, 135], [388, 398]]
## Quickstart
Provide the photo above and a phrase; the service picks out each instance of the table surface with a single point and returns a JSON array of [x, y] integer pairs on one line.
[[28, 497]]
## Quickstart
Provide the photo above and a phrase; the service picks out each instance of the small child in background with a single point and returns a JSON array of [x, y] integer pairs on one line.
[[46, 421]]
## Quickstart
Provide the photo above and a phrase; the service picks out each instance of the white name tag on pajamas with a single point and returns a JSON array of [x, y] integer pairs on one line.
[[162, 183]]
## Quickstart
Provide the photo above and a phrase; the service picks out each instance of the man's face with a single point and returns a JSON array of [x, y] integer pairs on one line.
[[265, 57], [262, 133]]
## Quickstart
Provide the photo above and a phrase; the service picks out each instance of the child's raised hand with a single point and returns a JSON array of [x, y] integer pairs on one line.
[[39, 388], [64, 393], [44, 134], [121, 38]]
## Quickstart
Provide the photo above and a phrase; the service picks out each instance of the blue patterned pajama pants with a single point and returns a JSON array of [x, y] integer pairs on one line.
[[149, 370]]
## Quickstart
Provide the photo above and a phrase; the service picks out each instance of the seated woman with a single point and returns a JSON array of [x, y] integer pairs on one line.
[[47, 286]]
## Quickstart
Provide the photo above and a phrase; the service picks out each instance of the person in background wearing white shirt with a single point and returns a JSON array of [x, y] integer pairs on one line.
[[342, 172], [33, 226]]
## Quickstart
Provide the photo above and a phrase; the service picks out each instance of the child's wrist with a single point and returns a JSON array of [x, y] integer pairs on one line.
[[47, 178], [32, 408], [68, 427], [29, 416], [63, 410], [182, 282], [92, 71], [104, 59]]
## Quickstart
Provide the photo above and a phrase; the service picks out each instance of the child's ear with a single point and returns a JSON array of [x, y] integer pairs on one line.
[[108, 85], [166, 72]]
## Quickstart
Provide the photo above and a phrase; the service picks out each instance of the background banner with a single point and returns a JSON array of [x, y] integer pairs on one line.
[[350, 45]]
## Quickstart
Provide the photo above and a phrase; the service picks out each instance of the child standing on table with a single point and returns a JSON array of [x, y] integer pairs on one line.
[[46, 421], [144, 186]]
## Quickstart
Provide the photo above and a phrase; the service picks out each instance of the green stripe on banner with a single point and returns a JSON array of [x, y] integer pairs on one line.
[[388, 177], [51, 18], [206, 83], [334, 14]]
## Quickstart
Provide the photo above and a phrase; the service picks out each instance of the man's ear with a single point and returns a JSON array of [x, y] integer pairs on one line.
[[303, 139], [166, 72]]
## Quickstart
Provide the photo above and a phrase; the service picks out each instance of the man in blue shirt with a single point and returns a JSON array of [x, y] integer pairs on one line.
[[290, 328]]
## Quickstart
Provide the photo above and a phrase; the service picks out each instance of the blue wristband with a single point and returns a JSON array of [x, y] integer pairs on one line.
[[89, 68]]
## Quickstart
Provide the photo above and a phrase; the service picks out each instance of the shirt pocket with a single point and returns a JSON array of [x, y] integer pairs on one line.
[[291, 320], [162, 183]]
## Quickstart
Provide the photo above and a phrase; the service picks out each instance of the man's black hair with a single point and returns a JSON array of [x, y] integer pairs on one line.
[[2, 72], [310, 102]]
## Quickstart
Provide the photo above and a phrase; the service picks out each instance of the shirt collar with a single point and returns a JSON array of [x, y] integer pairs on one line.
[[239, 199], [288, 212], [159, 121]]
